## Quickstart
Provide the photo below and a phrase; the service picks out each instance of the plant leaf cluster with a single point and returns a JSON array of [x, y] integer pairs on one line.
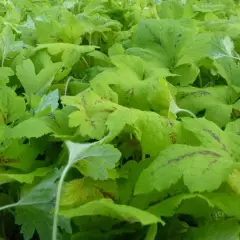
[[119, 120]]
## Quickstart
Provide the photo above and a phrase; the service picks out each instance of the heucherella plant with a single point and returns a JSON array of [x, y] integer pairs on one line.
[[119, 120]]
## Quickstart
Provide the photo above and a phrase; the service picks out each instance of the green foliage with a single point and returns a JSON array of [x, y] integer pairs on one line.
[[106, 207], [202, 169], [220, 230], [38, 217], [12, 107], [93, 159], [36, 84], [119, 119], [13, 175]]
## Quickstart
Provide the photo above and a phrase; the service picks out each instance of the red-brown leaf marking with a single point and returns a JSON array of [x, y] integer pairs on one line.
[[192, 154], [217, 138], [209, 165]]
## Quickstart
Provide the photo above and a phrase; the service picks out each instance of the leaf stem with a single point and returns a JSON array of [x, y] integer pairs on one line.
[[66, 86], [8, 206], [57, 204], [200, 80], [90, 38], [189, 112], [85, 61]]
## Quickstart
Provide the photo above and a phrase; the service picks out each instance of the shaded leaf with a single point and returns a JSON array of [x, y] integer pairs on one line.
[[10, 176], [5, 73], [219, 230], [106, 207], [12, 107], [38, 217]]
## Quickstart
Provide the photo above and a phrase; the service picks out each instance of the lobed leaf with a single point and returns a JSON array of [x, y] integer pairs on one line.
[[202, 169]]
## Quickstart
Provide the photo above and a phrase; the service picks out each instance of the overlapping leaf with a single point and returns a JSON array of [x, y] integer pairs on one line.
[[211, 136], [12, 107], [38, 218], [13, 175], [202, 169], [93, 160], [36, 83], [110, 71], [95, 114], [171, 44], [198, 205], [219, 230], [81, 191], [106, 207], [216, 103]]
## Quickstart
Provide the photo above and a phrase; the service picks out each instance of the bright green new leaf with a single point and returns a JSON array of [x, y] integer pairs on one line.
[[5, 73], [18, 155], [156, 133], [131, 80], [120, 118], [95, 113], [187, 74], [91, 114], [233, 127], [202, 169], [92, 126], [36, 83], [59, 25], [71, 53], [146, 96], [153, 131], [116, 49], [41, 59], [106, 207], [30, 128]]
